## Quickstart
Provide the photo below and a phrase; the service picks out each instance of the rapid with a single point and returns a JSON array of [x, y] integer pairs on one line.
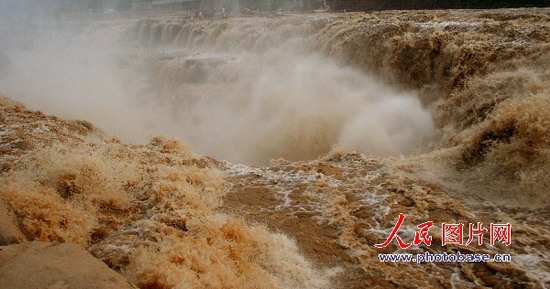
[[274, 152]]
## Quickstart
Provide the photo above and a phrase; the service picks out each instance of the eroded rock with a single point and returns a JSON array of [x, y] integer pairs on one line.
[[50, 265], [10, 233]]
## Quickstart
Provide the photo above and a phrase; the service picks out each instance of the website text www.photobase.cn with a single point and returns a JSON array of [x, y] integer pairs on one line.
[[450, 234], [428, 257]]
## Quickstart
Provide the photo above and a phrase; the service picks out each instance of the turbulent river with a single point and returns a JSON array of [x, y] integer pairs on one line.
[[275, 152]]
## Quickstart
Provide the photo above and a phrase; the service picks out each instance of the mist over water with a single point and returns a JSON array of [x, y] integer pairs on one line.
[[298, 107], [236, 104], [76, 76]]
